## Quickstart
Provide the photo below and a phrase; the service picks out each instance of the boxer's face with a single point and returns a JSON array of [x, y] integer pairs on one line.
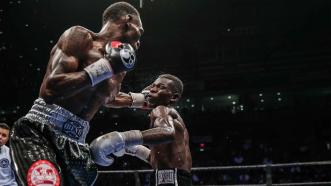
[[133, 30], [161, 92], [4, 136]]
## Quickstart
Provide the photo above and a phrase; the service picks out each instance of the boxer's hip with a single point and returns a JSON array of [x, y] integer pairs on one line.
[[62, 121], [44, 134], [171, 177]]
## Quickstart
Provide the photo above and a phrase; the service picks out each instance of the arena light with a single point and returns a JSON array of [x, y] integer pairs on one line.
[[202, 147], [141, 3]]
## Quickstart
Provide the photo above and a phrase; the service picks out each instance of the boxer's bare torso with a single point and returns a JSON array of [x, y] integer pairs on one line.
[[67, 84], [175, 154]]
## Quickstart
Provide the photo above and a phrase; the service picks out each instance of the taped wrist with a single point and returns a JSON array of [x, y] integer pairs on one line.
[[138, 100], [132, 137], [142, 152], [99, 71]]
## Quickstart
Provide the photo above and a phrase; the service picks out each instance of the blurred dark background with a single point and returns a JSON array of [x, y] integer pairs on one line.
[[256, 73]]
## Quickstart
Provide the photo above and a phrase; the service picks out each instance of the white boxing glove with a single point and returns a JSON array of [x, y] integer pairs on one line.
[[139, 99], [138, 151], [119, 153], [107, 144]]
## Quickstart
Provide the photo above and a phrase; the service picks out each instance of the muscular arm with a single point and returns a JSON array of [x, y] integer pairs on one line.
[[64, 79], [122, 100], [163, 119], [131, 100]]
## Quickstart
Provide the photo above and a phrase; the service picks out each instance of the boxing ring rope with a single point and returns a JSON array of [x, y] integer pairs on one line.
[[266, 167]]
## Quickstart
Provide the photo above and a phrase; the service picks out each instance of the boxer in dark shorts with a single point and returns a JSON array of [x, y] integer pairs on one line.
[[84, 72], [168, 138]]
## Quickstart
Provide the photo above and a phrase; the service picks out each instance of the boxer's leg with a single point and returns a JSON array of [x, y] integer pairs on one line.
[[32, 154], [70, 163], [80, 169]]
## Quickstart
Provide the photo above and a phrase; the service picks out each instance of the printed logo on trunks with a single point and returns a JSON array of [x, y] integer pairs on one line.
[[4, 163], [165, 177], [43, 173], [73, 129]]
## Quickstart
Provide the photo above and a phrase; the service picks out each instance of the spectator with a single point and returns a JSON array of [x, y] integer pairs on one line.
[[7, 177]]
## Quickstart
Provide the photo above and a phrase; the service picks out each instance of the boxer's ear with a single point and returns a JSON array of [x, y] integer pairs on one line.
[[127, 21], [174, 98], [128, 17]]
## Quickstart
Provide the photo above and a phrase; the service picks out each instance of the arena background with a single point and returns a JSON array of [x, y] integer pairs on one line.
[[256, 73]]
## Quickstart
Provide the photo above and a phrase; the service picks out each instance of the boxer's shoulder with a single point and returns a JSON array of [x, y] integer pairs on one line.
[[76, 40], [77, 31]]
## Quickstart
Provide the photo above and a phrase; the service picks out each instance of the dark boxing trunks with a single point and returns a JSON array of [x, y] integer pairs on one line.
[[48, 147], [171, 177]]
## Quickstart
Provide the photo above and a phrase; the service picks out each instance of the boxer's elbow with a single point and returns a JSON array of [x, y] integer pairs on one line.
[[51, 92], [158, 135], [168, 133], [48, 95], [166, 128]]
